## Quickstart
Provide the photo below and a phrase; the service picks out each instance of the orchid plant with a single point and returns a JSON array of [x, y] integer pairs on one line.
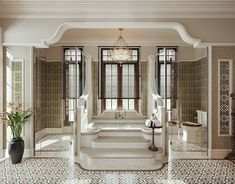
[[16, 118]]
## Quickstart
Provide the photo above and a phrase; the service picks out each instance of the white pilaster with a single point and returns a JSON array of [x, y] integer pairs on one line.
[[210, 101], [28, 134], [1, 92]]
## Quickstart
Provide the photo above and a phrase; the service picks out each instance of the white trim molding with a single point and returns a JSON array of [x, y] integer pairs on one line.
[[118, 9], [226, 76], [210, 92], [131, 25]]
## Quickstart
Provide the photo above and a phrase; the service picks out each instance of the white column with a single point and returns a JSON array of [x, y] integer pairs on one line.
[[150, 84], [28, 133], [89, 86], [1, 93], [210, 101]]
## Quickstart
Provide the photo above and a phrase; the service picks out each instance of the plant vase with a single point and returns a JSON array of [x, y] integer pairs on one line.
[[16, 150]]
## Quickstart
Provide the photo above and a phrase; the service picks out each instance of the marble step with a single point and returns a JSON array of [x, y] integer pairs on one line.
[[120, 142], [120, 132], [120, 159]]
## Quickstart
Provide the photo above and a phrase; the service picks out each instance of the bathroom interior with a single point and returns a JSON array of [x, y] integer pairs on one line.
[[59, 78]]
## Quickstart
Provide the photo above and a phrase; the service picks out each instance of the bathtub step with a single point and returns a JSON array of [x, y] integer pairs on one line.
[[120, 159], [120, 132], [120, 142]]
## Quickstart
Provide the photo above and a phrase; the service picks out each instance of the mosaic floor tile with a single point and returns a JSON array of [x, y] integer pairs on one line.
[[65, 171], [54, 143], [179, 145]]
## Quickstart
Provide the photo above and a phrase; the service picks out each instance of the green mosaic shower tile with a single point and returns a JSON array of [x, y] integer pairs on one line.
[[17, 66]]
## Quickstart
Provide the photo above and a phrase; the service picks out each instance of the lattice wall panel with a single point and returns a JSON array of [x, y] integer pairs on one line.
[[224, 99]]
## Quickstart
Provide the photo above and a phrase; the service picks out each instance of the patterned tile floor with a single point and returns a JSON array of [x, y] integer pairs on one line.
[[54, 143], [179, 145], [65, 171]]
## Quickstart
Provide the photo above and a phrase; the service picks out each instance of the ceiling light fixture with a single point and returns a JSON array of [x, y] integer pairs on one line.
[[120, 51]]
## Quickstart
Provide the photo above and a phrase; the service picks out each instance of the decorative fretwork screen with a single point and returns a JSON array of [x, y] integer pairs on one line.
[[224, 102]]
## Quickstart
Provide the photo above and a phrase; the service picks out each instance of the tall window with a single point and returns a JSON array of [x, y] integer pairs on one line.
[[73, 85], [166, 55], [119, 83]]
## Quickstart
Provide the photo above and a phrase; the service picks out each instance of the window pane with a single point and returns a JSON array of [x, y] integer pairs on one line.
[[73, 58], [134, 52], [131, 92], [72, 69], [131, 104], [131, 70], [125, 81], [105, 52], [79, 58], [131, 81], [114, 80], [67, 52], [114, 69], [73, 52], [108, 92], [134, 58], [168, 80], [108, 104], [72, 81], [108, 81], [125, 103], [105, 58], [161, 58], [168, 67], [170, 58], [162, 70], [109, 58], [114, 92], [124, 69], [114, 104], [125, 92], [108, 69], [168, 92]]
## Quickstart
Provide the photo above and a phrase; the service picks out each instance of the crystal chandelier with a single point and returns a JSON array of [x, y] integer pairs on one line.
[[120, 51]]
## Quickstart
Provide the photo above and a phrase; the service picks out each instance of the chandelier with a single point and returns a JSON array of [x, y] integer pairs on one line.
[[120, 51]]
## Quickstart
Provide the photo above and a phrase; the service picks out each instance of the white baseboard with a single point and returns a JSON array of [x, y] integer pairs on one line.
[[46, 131], [220, 153], [28, 152]]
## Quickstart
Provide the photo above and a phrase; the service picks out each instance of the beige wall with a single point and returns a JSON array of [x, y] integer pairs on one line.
[[219, 142], [26, 53]]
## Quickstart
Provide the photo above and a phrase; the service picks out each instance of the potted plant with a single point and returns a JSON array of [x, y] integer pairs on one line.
[[15, 119]]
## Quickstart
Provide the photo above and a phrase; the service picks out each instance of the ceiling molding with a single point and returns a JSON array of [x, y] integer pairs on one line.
[[109, 9], [136, 25], [130, 43]]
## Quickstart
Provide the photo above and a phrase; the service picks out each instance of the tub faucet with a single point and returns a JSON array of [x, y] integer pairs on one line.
[[119, 114]]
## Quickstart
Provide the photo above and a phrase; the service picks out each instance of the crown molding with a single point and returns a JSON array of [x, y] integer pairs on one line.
[[109, 9]]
